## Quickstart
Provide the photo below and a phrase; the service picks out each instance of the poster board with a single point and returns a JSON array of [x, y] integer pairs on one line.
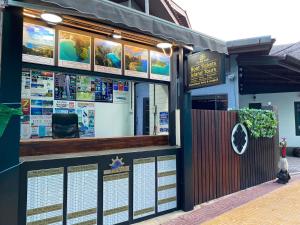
[[74, 50], [38, 44], [136, 61], [108, 56], [160, 66]]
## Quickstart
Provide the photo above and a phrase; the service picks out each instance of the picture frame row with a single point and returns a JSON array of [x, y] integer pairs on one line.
[[73, 49]]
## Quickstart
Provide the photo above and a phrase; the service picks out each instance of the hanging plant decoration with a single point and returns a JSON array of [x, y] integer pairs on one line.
[[5, 114], [261, 123]]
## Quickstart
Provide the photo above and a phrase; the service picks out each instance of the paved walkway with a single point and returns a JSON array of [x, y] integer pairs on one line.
[[228, 204]]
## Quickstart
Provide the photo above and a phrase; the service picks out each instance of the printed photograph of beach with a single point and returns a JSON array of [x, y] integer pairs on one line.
[[160, 66], [38, 44], [74, 50], [136, 61], [108, 56]]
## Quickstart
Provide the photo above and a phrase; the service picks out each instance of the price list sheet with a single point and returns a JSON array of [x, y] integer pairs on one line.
[[143, 187], [45, 196], [166, 183], [82, 194], [115, 198]]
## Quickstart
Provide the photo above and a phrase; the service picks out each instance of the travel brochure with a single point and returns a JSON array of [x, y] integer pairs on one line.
[[74, 51], [64, 87]]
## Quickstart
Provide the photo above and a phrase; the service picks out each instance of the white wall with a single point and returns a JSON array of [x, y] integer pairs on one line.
[[114, 119], [284, 103]]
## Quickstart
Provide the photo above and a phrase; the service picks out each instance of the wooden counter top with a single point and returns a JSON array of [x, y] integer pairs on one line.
[[36, 147]]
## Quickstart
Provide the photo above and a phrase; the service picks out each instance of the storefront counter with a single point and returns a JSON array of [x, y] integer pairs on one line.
[[36, 147]]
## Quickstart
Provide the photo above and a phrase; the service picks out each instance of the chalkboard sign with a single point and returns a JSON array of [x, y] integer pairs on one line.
[[297, 118], [205, 69]]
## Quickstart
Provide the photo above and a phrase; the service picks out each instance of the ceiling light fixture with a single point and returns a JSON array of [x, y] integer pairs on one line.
[[164, 46], [29, 15], [117, 35], [51, 18]]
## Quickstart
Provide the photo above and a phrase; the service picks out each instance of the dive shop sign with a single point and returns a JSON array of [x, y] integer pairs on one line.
[[205, 69]]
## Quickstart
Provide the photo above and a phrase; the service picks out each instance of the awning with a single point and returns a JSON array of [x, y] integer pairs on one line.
[[115, 13]]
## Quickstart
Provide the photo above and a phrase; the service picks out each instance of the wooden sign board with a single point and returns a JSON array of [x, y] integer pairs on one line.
[[205, 69]]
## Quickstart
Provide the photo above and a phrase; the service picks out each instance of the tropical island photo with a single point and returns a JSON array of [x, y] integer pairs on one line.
[[136, 59], [160, 64], [108, 53], [38, 40], [74, 47]]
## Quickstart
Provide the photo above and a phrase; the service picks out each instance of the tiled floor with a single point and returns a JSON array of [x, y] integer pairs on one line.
[[215, 208]]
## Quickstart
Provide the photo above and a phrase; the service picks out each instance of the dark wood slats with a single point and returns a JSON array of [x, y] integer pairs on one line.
[[217, 169]]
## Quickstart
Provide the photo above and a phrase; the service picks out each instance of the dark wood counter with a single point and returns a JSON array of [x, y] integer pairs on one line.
[[35, 147]]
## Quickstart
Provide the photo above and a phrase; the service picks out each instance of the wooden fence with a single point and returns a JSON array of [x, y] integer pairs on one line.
[[217, 169]]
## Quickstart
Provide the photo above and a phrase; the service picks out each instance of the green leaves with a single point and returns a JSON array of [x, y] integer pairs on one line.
[[261, 123]]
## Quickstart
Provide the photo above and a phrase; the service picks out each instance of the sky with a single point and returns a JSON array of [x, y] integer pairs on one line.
[[237, 19]]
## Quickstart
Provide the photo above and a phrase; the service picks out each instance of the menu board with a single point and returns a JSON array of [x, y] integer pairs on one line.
[[42, 84], [205, 69], [85, 88], [86, 118], [166, 183], [108, 56], [115, 198], [45, 196], [121, 91], [160, 65], [82, 194], [38, 44], [64, 87], [143, 187], [136, 61], [74, 50], [103, 90]]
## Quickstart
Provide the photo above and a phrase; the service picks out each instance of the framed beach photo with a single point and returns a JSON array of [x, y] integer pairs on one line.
[[136, 61], [74, 50], [108, 56], [38, 44], [160, 66]]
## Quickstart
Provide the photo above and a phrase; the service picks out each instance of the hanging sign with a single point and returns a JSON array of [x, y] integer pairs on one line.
[[205, 69]]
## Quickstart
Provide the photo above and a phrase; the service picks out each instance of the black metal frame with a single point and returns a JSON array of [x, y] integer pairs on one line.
[[103, 164]]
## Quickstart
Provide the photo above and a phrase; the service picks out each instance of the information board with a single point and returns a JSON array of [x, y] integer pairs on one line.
[[143, 187], [205, 69], [166, 183], [45, 196], [82, 194], [115, 198]]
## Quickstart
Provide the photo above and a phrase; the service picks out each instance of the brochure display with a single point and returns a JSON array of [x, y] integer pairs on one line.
[[160, 66], [64, 107], [74, 50], [42, 84], [108, 56], [121, 91], [38, 44], [85, 88], [64, 87], [136, 61], [103, 90], [86, 118]]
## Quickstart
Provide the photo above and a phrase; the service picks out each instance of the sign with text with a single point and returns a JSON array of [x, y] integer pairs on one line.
[[205, 69]]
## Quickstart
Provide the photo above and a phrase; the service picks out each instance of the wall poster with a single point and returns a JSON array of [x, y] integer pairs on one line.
[[74, 50], [163, 123], [136, 61], [38, 44], [108, 56], [41, 118], [26, 82], [86, 118], [64, 87], [42, 84], [64, 106], [85, 88], [103, 90], [45, 196], [25, 119], [160, 66], [121, 91]]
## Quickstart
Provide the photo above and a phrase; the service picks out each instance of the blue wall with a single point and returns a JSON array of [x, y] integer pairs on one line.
[[230, 88]]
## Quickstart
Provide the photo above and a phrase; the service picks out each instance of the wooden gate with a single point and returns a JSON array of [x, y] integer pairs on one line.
[[217, 169]]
